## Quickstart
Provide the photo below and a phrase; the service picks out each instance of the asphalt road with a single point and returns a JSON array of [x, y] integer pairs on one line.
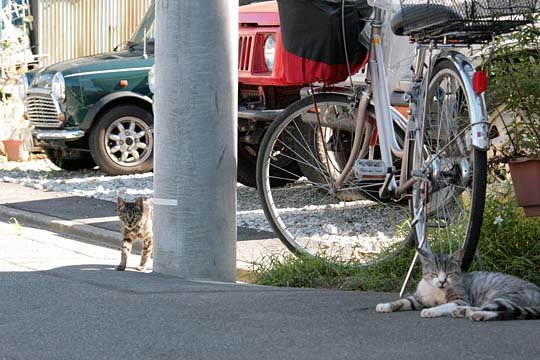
[[61, 299]]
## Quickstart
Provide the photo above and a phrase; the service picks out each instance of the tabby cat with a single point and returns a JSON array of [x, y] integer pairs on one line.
[[136, 218], [445, 291]]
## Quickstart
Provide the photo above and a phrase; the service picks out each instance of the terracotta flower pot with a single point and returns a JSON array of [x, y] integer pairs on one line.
[[526, 179], [14, 150]]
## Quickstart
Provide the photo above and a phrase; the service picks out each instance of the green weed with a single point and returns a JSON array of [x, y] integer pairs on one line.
[[386, 274], [510, 243]]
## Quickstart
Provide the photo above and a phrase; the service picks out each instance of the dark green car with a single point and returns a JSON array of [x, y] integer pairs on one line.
[[97, 110]]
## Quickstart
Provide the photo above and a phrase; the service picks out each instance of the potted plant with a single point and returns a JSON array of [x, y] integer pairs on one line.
[[14, 128], [515, 94], [14, 147]]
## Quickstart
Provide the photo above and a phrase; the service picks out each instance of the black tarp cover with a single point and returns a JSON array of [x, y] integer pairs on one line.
[[312, 38]]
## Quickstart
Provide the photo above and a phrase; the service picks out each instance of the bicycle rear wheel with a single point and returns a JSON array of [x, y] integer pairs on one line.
[[449, 202], [309, 215]]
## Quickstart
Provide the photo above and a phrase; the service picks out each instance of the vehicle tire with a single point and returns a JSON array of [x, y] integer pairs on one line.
[[122, 140], [247, 163], [309, 215], [451, 199], [70, 164], [247, 166]]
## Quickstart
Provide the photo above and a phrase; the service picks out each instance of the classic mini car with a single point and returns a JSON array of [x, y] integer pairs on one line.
[[97, 110]]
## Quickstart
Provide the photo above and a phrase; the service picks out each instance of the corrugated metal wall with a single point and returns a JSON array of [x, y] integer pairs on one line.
[[68, 29]]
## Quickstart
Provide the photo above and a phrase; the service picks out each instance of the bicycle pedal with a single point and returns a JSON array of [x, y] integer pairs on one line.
[[370, 169]]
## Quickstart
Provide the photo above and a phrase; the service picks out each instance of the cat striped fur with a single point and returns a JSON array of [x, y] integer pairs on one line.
[[445, 291], [136, 219]]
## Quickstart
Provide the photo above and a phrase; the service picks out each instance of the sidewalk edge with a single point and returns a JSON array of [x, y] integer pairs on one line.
[[87, 233], [91, 234]]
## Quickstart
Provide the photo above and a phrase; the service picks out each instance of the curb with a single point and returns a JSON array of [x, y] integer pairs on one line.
[[91, 234]]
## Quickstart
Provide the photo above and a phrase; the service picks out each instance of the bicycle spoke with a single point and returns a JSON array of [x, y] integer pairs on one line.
[[447, 156], [309, 214]]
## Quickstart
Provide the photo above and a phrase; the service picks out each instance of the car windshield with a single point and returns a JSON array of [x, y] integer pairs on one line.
[[147, 24]]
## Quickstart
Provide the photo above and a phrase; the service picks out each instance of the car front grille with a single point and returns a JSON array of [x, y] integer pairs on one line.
[[42, 110], [245, 43]]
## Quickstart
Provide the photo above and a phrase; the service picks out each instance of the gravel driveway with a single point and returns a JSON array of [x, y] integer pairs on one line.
[[43, 175], [312, 222]]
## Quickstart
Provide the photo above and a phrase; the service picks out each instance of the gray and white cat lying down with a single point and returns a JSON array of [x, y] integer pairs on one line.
[[445, 291]]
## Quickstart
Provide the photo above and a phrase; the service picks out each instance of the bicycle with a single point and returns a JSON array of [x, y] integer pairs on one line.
[[370, 178]]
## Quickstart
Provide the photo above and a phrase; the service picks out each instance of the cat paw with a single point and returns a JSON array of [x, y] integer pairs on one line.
[[460, 312], [482, 315], [120, 268], [141, 268], [383, 308], [429, 313]]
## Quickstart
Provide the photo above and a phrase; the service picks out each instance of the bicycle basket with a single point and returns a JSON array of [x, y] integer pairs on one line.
[[464, 20]]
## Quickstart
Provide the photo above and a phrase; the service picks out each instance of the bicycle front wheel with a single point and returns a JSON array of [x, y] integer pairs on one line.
[[449, 201], [310, 215]]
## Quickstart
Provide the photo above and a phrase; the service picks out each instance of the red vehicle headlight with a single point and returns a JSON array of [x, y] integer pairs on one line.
[[269, 52]]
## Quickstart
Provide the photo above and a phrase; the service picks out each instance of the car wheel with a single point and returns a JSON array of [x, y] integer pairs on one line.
[[247, 163], [71, 163], [285, 171], [122, 140]]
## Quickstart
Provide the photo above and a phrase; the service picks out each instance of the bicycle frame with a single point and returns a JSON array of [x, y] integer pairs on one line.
[[376, 88], [373, 178], [389, 146]]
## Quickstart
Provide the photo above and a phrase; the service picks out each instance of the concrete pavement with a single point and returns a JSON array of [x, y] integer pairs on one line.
[[95, 220], [61, 299]]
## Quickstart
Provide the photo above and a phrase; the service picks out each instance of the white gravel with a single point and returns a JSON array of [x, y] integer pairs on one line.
[[43, 175], [311, 220]]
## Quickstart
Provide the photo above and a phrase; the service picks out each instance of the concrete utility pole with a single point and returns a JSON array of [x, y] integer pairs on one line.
[[196, 135]]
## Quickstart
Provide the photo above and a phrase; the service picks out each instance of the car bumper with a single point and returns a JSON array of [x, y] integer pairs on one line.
[[57, 134], [258, 115]]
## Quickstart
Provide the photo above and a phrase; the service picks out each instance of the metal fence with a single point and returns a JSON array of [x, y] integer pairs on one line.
[[67, 29]]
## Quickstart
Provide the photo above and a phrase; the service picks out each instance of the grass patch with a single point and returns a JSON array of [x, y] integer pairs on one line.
[[510, 243], [317, 272]]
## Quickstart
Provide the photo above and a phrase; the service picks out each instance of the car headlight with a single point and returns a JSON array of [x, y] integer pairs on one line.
[[269, 52], [58, 87], [22, 87], [152, 79]]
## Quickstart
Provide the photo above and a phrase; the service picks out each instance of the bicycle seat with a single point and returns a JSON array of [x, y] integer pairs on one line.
[[416, 18]]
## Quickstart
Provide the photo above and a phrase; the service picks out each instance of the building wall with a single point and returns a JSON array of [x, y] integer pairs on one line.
[[67, 29]]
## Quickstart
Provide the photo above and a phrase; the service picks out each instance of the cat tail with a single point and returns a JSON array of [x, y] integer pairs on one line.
[[510, 311], [528, 312]]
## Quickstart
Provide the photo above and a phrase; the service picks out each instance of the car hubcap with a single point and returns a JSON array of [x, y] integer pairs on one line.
[[129, 141]]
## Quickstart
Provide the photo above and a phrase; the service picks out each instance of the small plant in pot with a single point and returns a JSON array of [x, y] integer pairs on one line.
[[14, 147], [515, 98], [13, 129]]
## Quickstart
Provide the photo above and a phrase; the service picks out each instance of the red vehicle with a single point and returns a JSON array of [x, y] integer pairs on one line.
[[263, 89]]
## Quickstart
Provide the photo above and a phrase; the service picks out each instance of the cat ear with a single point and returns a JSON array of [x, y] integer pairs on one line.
[[120, 205], [139, 201], [424, 255], [457, 256]]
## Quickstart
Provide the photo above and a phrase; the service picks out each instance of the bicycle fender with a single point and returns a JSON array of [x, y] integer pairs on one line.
[[479, 120]]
